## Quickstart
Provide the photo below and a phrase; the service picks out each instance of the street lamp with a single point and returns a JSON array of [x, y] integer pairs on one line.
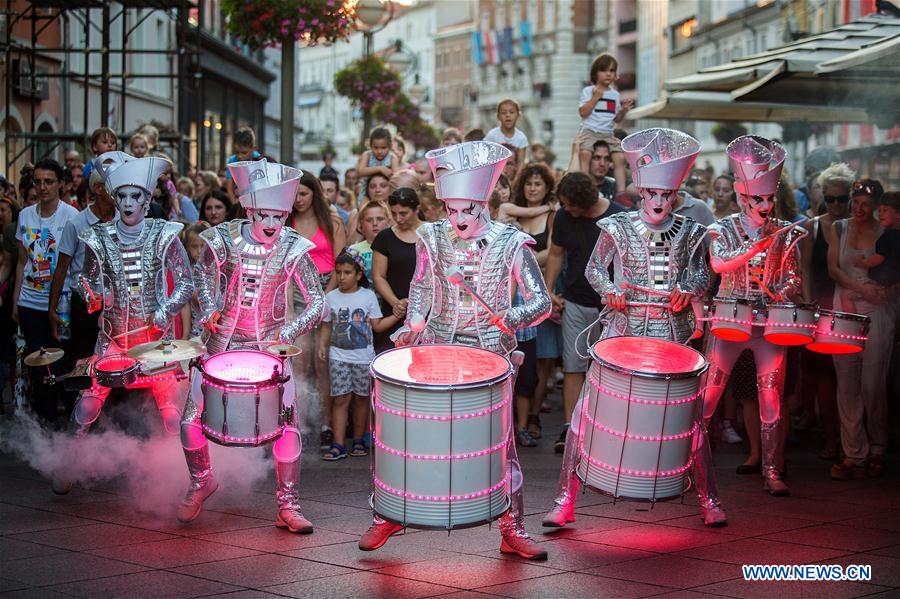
[[371, 17]]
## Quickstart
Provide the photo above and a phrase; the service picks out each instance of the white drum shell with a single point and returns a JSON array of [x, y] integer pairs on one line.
[[793, 319], [848, 331], [730, 314], [236, 405], [672, 418], [397, 432]]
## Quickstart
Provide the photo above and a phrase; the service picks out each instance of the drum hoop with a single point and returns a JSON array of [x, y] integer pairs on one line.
[[792, 305], [252, 386], [131, 367], [443, 386], [653, 375], [844, 315]]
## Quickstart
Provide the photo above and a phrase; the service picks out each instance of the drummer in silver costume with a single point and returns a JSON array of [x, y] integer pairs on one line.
[[126, 267], [652, 249], [492, 258], [243, 278], [759, 263]]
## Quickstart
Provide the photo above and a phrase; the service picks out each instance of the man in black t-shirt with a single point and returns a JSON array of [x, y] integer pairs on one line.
[[884, 265], [574, 235]]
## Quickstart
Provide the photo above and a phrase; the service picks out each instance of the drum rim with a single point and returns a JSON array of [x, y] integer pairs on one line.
[[652, 375], [443, 386], [205, 376], [845, 315], [735, 300], [134, 364], [792, 305], [687, 487]]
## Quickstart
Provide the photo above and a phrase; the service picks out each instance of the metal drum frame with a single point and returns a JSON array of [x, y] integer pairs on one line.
[[499, 493]]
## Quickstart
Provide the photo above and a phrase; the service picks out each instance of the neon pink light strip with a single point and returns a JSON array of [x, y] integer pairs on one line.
[[648, 473], [840, 336], [674, 402], [599, 426], [455, 456], [231, 439], [444, 498], [383, 408], [247, 389]]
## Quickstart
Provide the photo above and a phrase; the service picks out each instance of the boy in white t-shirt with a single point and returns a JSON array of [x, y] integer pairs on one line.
[[600, 108], [508, 113]]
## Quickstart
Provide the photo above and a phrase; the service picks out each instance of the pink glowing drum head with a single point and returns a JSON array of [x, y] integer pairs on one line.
[[649, 357], [242, 367], [117, 371], [441, 365]]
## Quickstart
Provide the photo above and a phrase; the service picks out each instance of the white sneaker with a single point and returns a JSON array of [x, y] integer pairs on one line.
[[729, 435]]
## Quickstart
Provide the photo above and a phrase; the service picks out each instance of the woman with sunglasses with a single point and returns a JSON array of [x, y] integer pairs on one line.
[[861, 377], [817, 370]]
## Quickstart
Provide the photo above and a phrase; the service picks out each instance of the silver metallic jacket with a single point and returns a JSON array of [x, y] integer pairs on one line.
[[778, 267], [248, 285], [660, 260], [487, 264], [132, 280]]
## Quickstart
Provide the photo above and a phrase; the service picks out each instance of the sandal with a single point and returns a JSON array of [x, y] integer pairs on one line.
[[875, 467], [337, 452], [359, 449], [523, 439], [534, 426]]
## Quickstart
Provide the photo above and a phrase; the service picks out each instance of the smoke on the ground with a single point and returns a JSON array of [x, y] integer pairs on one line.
[[149, 472]]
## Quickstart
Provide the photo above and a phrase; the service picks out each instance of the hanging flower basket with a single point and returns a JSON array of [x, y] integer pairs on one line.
[[268, 23], [405, 116], [366, 82]]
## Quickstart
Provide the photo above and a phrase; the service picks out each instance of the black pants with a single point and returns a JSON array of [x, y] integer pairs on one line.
[[35, 326], [85, 328]]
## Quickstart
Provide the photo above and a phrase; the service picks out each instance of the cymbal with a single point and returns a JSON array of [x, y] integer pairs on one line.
[[283, 350], [167, 351], [44, 356]]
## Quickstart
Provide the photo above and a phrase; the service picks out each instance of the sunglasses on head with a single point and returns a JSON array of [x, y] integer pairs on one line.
[[842, 199], [860, 188]]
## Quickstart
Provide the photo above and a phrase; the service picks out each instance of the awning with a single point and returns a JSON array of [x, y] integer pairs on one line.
[[718, 106], [856, 65]]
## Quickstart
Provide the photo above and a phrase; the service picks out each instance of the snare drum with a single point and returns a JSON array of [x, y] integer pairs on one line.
[[442, 417], [242, 391], [840, 333], [117, 371], [732, 319], [790, 324], [639, 417]]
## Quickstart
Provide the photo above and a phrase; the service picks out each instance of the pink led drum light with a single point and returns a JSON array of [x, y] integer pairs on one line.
[[639, 417], [442, 416], [242, 391]]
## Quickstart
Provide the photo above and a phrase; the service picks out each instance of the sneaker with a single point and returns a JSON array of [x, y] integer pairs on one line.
[[560, 445], [729, 435], [559, 515], [326, 439], [377, 535]]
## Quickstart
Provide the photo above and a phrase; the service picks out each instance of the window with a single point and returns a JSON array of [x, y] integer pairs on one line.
[[682, 34]]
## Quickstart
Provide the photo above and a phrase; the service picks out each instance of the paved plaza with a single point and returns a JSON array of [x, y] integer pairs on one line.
[[94, 542]]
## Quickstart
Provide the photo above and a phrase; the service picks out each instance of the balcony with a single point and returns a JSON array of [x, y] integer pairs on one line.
[[627, 26]]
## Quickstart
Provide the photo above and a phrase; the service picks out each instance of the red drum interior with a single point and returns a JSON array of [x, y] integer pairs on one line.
[[788, 338], [440, 365], [727, 334], [647, 355], [833, 348], [242, 366], [116, 363]]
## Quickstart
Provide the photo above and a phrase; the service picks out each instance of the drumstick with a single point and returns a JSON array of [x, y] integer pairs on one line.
[[763, 286], [133, 332], [455, 276]]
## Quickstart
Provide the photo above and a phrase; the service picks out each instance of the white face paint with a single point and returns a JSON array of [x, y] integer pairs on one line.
[[266, 225], [656, 204], [470, 219], [132, 203], [757, 208]]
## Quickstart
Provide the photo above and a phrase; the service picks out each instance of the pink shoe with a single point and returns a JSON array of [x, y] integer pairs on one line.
[[560, 515], [377, 535]]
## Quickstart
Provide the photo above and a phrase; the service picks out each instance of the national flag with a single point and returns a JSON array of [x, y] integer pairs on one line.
[[477, 48]]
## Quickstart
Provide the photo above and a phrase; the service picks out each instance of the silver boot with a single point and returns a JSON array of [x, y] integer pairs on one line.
[[705, 478], [563, 510], [770, 432], [515, 538], [202, 483], [287, 480]]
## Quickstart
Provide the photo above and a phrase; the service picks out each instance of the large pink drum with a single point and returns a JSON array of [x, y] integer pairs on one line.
[[639, 416], [242, 392], [442, 416]]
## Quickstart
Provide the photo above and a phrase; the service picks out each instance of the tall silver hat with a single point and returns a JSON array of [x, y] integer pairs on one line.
[[119, 169], [756, 163], [467, 171], [660, 158], [265, 185]]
